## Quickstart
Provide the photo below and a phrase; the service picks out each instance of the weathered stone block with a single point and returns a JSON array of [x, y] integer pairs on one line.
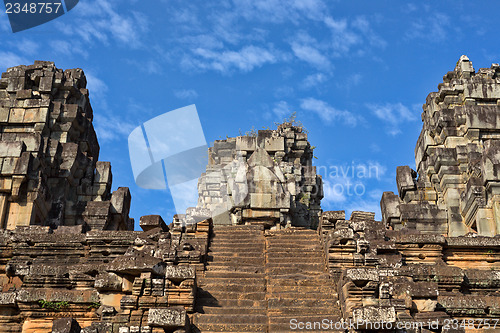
[[149, 222], [169, 318], [65, 325]]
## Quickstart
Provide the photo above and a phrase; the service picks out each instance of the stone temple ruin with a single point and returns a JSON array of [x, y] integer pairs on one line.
[[270, 260], [275, 184]]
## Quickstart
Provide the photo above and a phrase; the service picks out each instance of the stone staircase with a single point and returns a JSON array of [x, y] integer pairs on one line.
[[232, 293], [298, 285], [258, 282]]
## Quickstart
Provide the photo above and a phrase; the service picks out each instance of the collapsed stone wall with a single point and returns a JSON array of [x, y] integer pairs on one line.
[[409, 276], [457, 158], [100, 281], [50, 174], [266, 178]]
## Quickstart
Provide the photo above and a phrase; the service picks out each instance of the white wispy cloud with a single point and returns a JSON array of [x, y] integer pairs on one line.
[[352, 35], [394, 114], [311, 55], [244, 60], [282, 110], [279, 11], [9, 59], [100, 21], [25, 46], [97, 90], [313, 80], [435, 27], [109, 127], [186, 94], [350, 81], [363, 25], [4, 22], [328, 113], [67, 48]]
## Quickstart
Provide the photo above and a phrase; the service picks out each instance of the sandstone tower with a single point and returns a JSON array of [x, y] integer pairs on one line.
[[50, 174], [263, 178], [457, 157]]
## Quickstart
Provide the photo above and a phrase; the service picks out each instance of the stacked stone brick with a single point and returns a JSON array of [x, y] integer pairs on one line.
[[50, 174], [264, 178], [106, 281], [407, 276], [457, 159]]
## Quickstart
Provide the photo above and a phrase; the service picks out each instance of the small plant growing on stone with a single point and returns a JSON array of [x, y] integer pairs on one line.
[[94, 305], [252, 132], [305, 198], [292, 120], [56, 306]]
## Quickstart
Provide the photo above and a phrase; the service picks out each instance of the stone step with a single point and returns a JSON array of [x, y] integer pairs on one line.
[[202, 327], [230, 303], [229, 247], [251, 260], [291, 231], [294, 238], [237, 240], [286, 248], [235, 266], [290, 248], [220, 295], [233, 310], [232, 229], [289, 311], [297, 239], [278, 271], [275, 303], [299, 289], [299, 258], [232, 287], [238, 235], [243, 269], [303, 296], [253, 319], [234, 274], [292, 252], [300, 283], [203, 281], [300, 267], [236, 254]]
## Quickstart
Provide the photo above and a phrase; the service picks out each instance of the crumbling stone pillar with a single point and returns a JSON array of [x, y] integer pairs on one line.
[[49, 169]]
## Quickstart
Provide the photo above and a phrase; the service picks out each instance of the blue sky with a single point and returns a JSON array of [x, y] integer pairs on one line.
[[356, 73]]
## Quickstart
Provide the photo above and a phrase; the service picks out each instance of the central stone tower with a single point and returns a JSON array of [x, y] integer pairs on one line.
[[263, 178]]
